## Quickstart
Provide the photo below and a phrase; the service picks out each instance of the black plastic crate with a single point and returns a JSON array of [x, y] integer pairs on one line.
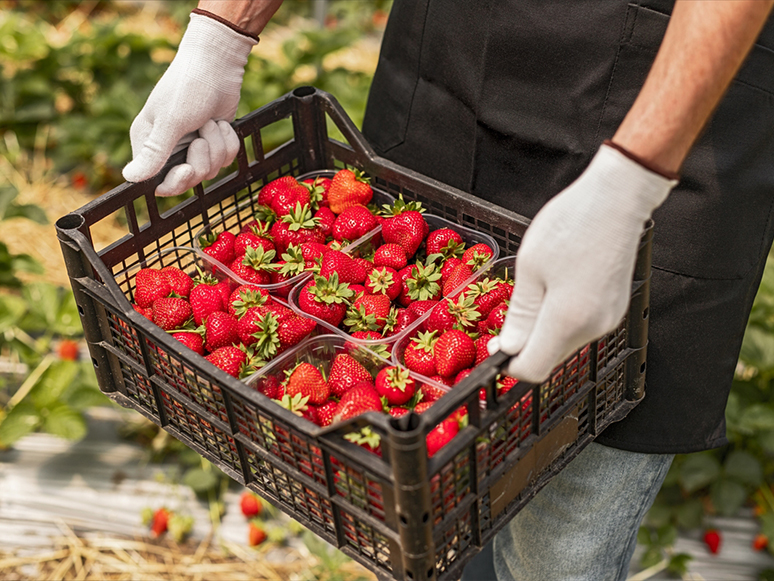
[[401, 515]]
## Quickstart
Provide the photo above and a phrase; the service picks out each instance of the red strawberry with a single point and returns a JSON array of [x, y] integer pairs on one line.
[[357, 290], [347, 189], [145, 312], [462, 375], [191, 340], [448, 267], [395, 385], [441, 435], [325, 298], [307, 380], [205, 298], [352, 223], [456, 279], [421, 284], [423, 406], [398, 320], [68, 350], [449, 314], [360, 399], [383, 279], [760, 542], [180, 283], [488, 294], [327, 221], [171, 312], [293, 330], [368, 265], [325, 413], [255, 265], [397, 411], [250, 505], [446, 242], [230, 359], [418, 355], [252, 239], [419, 308], [481, 350], [219, 246], [261, 224], [220, 330], [345, 373], [271, 387], [318, 192], [505, 383], [407, 229], [368, 313], [269, 191], [366, 335], [283, 195], [160, 522], [255, 535], [712, 539], [477, 255], [296, 227], [431, 393], [150, 284], [311, 251], [454, 351], [391, 255], [244, 297], [347, 268], [496, 318]]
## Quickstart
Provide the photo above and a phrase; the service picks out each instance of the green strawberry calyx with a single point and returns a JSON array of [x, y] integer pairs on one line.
[[248, 298], [359, 320], [425, 341], [267, 336], [294, 261], [366, 436], [401, 206], [464, 311], [398, 378], [330, 290], [300, 217], [296, 404], [423, 285], [259, 259]]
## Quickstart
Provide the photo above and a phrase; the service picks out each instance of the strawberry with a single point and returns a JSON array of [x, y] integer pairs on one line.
[[421, 285], [456, 279], [171, 312], [349, 270], [481, 350], [418, 355], [180, 283], [357, 290], [282, 195], [307, 380], [254, 266], [220, 330], [160, 522], [441, 435], [268, 192], [496, 318], [244, 297], [449, 314], [445, 242], [462, 375], [712, 539], [271, 387], [454, 351], [352, 223], [448, 267], [419, 308], [311, 251], [392, 255], [250, 505], [230, 359], [325, 412], [318, 190], [150, 284], [505, 383], [384, 280], [405, 225], [488, 294], [397, 411], [760, 542], [261, 222], [219, 246], [205, 298], [68, 350], [326, 221], [477, 255], [293, 330], [349, 188], [191, 340], [368, 313], [358, 400], [253, 238], [368, 439], [345, 373], [395, 385], [430, 392], [255, 535], [397, 321], [368, 265], [325, 298], [145, 312], [423, 406], [296, 227]]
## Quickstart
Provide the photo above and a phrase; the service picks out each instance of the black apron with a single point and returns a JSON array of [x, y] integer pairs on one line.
[[510, 99]]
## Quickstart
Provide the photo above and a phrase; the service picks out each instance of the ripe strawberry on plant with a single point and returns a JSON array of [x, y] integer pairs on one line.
[[179, 282], [296, 227], [190, 339], [347, 268], [358, 400], [713, 539], [205, 298], [159, 522], [250, 505], [368, 313], [477, 255], [760, 542], [254, 266], [454, 351], [325, 298], [383, 280], [244, 297], [445, 242], [150, 284], [345, 373], [307, 380], [171, 312], [352, 223], [418, 355], [395, 385], [220, 330], [441, 435], [405, 226], [219, 246], [391, 255], [255, 534], [349, 188], [460, 314], [456, 279], [230, 359]]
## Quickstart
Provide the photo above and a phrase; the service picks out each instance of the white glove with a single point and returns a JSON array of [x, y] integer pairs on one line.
[[575, 265], [198, 92]]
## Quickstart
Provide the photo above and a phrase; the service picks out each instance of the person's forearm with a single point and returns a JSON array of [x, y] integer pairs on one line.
[[251, 15], [704, 46]]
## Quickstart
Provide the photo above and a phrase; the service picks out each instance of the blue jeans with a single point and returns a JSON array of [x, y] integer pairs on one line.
[[582, 526]]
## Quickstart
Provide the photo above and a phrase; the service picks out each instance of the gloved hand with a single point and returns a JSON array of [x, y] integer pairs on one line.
[[575, 265], [199, 92]]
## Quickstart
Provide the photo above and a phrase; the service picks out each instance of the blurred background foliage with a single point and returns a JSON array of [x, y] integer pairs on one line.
[[73, 75]]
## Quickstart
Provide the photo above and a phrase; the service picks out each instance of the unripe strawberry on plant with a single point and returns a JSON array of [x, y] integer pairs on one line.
[[395, 385], [352, 223], [250, 505], [150, 284], [349, 188]]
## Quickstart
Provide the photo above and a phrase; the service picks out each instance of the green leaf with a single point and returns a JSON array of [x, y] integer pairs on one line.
[[644, 537], [758, 417], [766, 441], [758, 349], [698, 471], [690, 514], [8, 193], [651, 557], [678, 564], [55, 380], [767, 524], [12, 309], [743, 467], [728, 496], [67, 321], [666, 535], [85, 396], [65, 422], [29, 211], [766, 575], [658, 515], [200, 480], [26, 263], [19, 422]]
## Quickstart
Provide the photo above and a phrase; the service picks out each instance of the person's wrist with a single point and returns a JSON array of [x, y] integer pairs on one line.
[[218, 18]]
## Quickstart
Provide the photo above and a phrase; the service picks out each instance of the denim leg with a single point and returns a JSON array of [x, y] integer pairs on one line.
[[582, 526]]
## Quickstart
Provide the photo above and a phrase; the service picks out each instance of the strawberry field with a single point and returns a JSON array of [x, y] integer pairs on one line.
[[327, 293]]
